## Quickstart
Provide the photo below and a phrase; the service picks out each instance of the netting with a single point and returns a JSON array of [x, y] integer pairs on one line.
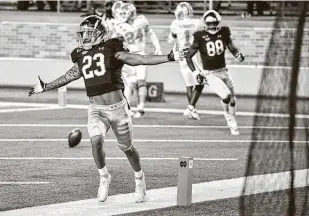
[[278, 161]]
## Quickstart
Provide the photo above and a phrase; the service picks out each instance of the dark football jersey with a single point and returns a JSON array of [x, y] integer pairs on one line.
[[101, 70], [212, 47]]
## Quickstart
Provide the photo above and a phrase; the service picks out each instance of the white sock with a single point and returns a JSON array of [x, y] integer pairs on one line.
[[190, 107], [103, 171], [138, 174], [141, 106], [225, 107], [233, 110]]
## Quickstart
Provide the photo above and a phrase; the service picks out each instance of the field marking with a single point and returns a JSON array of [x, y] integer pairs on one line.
[[111, 158], [154, 126], [160, 140], [165, 110], [23, 183], [29, 109], [166, 197]]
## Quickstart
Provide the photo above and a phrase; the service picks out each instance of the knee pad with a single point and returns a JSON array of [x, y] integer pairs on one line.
[[97, 141], [227, 99], [125, 145], [233, 101], [141, 84], [142, 90]]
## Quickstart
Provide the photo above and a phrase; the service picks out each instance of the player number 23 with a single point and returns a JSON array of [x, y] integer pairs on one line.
[[89, 60], [214, 48]]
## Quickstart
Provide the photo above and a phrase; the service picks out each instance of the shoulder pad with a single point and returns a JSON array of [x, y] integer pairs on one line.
[[143, 19], [198, 34], [75, 54], [226, 30], [117, 44]]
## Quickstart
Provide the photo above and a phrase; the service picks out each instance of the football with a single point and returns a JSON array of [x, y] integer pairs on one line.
[[74, 137]]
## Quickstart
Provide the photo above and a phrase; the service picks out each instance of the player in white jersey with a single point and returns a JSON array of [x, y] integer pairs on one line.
[[116, 13], [134, 29], [182, 30]]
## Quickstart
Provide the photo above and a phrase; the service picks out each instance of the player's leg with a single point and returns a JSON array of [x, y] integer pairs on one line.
[[218, 86], [193, 92], [232, 105], [123, 130], [97, 128], [129, 78], [142, 90]]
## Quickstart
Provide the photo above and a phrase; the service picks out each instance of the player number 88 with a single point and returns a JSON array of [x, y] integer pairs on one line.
[[214, 48]]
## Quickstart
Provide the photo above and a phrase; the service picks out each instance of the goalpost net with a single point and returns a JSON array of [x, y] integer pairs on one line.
[[278, 158]]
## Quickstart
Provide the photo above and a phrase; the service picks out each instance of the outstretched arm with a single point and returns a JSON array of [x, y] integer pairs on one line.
[[69, 76], [155, 41], [233, 49], [134, 59]]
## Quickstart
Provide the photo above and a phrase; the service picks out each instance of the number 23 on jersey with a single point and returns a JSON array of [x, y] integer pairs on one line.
[[88, 61]]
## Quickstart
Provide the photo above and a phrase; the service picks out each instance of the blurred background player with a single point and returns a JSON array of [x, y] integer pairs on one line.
[[116, 14], [182, 29], [134, 29], [212, 43]]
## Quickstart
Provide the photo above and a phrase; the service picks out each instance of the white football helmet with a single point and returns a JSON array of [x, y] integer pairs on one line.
[[183, 10], [116, 9], [128, 12], [212, 20]]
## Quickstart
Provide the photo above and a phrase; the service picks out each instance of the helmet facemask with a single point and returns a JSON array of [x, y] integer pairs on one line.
[[92, 31], [128, 12], [116, 10], [212, 21], [212, 24]]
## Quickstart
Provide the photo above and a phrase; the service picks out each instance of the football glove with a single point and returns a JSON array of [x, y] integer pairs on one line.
[[173, 55], [240, 57], [200, 78], [38, 88]]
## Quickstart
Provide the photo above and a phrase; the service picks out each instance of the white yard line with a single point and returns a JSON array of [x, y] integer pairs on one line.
[[23, 183], [112, 158], [154, 126], [165, 197], [159, 140], [29, 109], [162, 110]]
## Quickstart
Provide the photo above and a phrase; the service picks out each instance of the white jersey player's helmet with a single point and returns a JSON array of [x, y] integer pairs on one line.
[[128, 12], [212, 21], [183, 10], [116, 9]]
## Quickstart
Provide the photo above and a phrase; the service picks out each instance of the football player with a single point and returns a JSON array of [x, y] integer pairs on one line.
[[212, 43], [181, 34], [116, 13], [134, 29], [99, 61]]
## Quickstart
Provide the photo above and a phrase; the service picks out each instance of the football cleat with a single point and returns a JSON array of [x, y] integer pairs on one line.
[[191, 114], [231, 123], [140, 189], [74, 137], [103, 188], [139, 114]]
